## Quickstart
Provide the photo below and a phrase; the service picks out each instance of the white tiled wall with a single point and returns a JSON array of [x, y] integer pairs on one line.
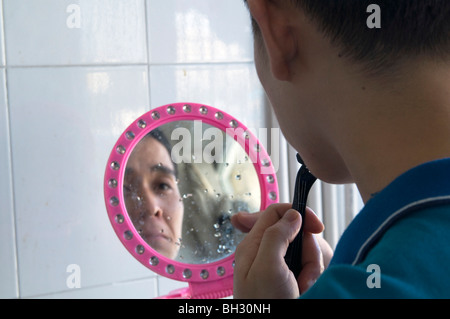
[[73, 75]]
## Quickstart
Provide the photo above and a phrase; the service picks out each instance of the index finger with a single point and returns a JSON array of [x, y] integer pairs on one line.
[[269, 217], [245, 221], [248, 248]]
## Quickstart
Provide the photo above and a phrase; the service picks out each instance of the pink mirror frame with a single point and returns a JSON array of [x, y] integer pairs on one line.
[[212, 280]]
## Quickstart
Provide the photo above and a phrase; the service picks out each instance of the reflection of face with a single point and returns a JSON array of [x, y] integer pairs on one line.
[[152, 197]]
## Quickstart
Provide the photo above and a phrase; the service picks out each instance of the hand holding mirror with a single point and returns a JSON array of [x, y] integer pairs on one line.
[[172, 182]]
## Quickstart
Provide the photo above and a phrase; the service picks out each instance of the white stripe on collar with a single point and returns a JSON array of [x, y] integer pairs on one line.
[[387, 223]]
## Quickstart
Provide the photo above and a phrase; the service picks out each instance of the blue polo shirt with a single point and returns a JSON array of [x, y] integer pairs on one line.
[[398, 246]]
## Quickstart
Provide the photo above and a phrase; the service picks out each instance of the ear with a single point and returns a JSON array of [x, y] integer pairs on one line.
[[278, 35]]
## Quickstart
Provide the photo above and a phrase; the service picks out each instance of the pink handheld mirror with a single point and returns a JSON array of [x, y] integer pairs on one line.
[[172, 182]]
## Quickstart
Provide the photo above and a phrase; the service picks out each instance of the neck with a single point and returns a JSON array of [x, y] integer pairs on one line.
[[399, 126]]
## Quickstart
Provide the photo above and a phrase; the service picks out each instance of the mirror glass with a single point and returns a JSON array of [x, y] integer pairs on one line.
[[183, 181]]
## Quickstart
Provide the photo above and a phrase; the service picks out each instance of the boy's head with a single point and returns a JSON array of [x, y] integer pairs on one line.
[[332, 79], [407, 28]]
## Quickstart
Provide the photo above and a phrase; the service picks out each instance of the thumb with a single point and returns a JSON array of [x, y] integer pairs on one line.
[[277, 237]]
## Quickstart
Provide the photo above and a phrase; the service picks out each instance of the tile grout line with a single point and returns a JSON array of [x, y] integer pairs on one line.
[[11, 175]]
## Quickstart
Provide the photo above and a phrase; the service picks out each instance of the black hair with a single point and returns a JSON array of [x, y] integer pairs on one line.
[[158, 135], [409, 28]]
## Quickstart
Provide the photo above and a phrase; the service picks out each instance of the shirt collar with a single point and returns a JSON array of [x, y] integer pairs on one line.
[[423, 186]]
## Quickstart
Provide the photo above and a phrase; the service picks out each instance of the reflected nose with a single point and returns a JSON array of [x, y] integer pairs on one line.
[[152, 205]]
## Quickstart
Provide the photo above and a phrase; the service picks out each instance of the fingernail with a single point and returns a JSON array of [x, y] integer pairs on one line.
[[291, 215], [243, 213]]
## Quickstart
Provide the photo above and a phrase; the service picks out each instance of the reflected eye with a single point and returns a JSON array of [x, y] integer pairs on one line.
[[164, 187]]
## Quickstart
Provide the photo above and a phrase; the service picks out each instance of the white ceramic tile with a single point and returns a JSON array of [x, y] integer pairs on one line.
[[199, 31], [234, 88], [140, 289], [166, 285], [59, 32], [63, 130], [2, 48], [8, 275]]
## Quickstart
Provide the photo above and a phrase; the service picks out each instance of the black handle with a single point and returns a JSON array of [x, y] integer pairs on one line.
[[303, 184]]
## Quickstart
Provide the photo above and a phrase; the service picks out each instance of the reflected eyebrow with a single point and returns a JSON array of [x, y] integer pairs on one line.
[[155, 168], [163, 169]]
